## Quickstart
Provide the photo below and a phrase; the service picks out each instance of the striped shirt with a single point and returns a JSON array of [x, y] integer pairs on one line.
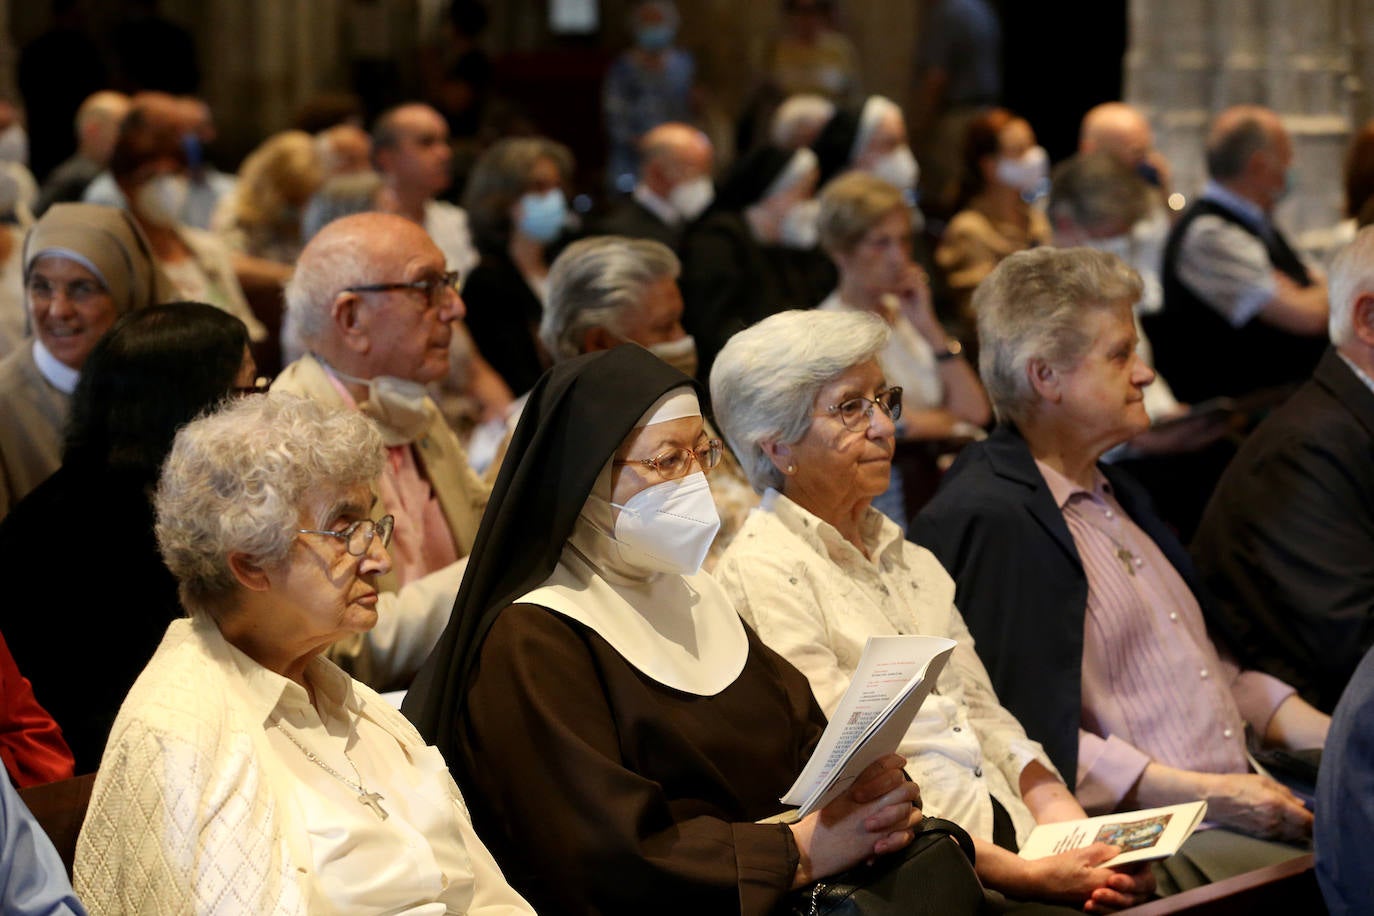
[[1154, 686]]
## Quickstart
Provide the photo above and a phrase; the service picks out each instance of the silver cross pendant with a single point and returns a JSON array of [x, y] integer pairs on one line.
[[374, 801]]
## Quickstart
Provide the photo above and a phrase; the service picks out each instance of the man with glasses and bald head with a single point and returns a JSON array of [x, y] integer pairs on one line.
[[371, 306]]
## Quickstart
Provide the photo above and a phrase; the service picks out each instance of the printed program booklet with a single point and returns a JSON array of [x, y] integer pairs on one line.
[[892, 680], [1153, 833]]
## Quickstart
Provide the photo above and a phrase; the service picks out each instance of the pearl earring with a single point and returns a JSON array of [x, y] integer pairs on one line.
[[791, 469]]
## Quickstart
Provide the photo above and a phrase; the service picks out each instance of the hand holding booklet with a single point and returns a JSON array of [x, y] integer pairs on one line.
[[892, 680], [1153, 833]]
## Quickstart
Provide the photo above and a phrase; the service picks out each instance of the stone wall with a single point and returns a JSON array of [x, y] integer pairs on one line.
[[1309, 60]]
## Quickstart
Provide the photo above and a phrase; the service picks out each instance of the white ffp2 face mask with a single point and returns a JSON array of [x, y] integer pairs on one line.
[[162, 198], [691, 198], [397, 404], [681, 354], [670, 525], [801, 225], [898, 168], [1028, 172]]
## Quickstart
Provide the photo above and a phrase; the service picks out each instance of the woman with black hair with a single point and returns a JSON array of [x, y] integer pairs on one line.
[[82, 621]]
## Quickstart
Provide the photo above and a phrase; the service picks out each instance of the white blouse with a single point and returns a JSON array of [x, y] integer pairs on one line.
[[814, 598], [424, 858]]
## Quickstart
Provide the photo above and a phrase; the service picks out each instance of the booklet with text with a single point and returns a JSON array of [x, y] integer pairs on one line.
[[891, 682], [1153, 833]]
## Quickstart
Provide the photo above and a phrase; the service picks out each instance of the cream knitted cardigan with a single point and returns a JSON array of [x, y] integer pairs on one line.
[[182, 816]]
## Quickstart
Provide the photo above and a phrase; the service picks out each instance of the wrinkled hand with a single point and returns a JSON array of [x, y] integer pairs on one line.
[[912, 292], [1077, 876], [873, 818], [1257, 805]]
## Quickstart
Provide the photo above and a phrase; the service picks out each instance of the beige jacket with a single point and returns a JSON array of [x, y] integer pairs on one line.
[[410, 618], [35, 414]]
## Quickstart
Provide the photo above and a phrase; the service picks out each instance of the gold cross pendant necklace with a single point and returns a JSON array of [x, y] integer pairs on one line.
[[372, 799]]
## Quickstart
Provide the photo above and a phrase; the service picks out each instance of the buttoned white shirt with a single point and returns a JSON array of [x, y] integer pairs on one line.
[[814, 598], [424, 858]]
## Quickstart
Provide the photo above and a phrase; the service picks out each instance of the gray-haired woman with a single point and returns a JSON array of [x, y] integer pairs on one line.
[[245, 771], [816, 571]]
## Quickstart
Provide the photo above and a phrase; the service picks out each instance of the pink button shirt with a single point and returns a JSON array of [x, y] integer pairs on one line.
[[1154, 686], [421, 541]]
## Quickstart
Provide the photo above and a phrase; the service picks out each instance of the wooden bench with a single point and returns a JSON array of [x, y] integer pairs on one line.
[[60, 807], [1287, 887]]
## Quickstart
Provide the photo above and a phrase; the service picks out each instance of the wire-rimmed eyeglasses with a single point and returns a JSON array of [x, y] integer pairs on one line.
[[857, 413], [672, 463], [358, 536], [433, 288]]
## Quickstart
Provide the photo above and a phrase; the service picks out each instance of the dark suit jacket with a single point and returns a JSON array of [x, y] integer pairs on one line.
[[1286, 543], [730, 281], [1020, 583], [632, 219], [503, 318]]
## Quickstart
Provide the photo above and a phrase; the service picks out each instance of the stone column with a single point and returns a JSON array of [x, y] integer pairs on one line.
[[1189, 59]]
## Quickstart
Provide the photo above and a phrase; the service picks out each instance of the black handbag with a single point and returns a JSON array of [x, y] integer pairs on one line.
[[932, 876]]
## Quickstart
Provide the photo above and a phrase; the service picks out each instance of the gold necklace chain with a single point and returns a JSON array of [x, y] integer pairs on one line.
[[372, 799], [1129, 561]]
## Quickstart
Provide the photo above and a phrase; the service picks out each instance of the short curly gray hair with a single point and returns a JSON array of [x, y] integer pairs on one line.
[[596, 280], [1033, 306], [765, 379], [235, 480]]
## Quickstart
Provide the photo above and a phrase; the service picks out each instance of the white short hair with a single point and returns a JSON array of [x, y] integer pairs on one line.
[[235, 480], [595, 282], [1033, 306], [1352, 276], [798, 116], [765, 379]]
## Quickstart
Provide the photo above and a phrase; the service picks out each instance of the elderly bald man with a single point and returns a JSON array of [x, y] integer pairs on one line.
[[1243, 312], [97, 126], [410, 148], [1123, 132], [674, 186], [371, 302]]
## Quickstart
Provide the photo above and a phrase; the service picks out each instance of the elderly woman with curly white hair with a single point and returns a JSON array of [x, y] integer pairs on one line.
[[245, 772], [816, 570]]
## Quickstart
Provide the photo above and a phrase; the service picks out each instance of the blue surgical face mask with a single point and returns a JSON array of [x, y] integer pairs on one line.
[[194, 150], [542, 215], [655, 37], [1290, 182]]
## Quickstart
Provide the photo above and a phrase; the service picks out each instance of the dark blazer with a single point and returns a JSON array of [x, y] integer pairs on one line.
[[1019, 581], [632, 219], [730, 281], [1286, 543], [503, 316]]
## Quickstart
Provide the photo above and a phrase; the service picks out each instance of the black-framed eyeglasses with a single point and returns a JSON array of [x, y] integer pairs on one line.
[[857, 413], [433, 288], [358, 536], [672, 463]]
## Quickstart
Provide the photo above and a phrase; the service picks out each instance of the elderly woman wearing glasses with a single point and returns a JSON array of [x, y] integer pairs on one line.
[[618, 728], [246, 772], [816, 571]]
